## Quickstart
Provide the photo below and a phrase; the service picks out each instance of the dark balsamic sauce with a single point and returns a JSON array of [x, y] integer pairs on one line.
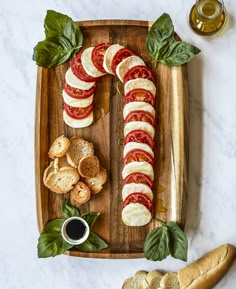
[[75, 229]]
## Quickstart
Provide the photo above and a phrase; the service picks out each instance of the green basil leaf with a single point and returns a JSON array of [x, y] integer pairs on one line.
[[92, 244], [160, 35], [50, 242], [156, 245], [69, 210], [56, 24], [179, 52], [90, 218], [178, 241], [53, 51]]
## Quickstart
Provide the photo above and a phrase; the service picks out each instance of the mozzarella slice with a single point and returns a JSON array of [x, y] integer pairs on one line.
[[125, 65], [138, 105], [89, 67], [138, 167], [74, 81], [135, 214], [76, 102], [136, 145], [139, 125], [109, 55], [78, 123], [136, 188], [140, 83]]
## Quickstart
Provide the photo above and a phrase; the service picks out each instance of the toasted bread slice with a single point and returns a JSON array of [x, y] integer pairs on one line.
[[78, 149], [47, 171], [59, 147], [89, 166], [62, 180], [79, 194], [96, 183]]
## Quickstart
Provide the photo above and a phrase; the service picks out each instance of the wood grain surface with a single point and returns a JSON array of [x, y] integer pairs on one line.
[[172, 139]]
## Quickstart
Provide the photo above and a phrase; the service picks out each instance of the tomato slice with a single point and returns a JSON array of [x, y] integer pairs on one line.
[[78, 69], [140, 115], [78, 93], [98, 55], [138, 198], [138, 155], [139, 71], [78, 112], [119, 56], [139, 136], [140, 94], [138, 178]]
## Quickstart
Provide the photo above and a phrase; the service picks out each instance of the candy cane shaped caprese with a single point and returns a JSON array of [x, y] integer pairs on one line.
[[138, 112]]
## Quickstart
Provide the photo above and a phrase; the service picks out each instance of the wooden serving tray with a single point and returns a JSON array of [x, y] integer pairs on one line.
[[172, 139]]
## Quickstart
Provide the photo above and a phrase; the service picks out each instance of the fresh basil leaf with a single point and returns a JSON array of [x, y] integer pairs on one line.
[[178, 242], [179, 52], [156, 245], [50, 242], [53, 51], [69, 210], [92, 244], [90, 218], [56, 24], [160, 35]]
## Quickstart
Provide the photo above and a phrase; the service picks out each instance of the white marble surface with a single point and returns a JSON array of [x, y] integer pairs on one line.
[[212, 192]]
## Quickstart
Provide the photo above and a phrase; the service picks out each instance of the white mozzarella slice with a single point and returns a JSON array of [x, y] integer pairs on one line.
[[125, 65], [138, 105], [109, 55], [78, 123], [139, 125], [89, 67], [135, 214], [136, 188], [140, 83], [136, 145], [138, 167], [76, 102], [74, 81]]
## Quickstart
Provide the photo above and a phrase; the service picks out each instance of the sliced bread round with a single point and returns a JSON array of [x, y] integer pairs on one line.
[[78, 149], [96, 183], [89, 166], [79, 194], [62, 180], [59, 147]]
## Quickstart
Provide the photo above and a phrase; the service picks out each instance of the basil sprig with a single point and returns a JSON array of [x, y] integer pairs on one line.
[[63, 40], [51, 243], [166, 240], [163, 47]]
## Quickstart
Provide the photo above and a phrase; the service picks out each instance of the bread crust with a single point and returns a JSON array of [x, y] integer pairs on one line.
[[207, 271], [59, 147]]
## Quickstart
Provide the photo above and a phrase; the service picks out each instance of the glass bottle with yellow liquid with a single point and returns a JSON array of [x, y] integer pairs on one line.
[[207, 17]]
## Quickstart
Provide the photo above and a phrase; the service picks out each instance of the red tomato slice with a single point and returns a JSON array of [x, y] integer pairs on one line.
[[78, 112], [139, 136], [98, 55], [140, 115], [139, 71], [138, 198], [78, 69], [138, 155], [119, 56], [140, 94], [78, 93], [138, 178]]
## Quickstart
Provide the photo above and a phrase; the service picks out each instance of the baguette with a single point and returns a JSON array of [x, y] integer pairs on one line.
[[207, 271]]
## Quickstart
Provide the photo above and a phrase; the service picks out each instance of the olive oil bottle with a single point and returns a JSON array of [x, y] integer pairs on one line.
[[207, 17]]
